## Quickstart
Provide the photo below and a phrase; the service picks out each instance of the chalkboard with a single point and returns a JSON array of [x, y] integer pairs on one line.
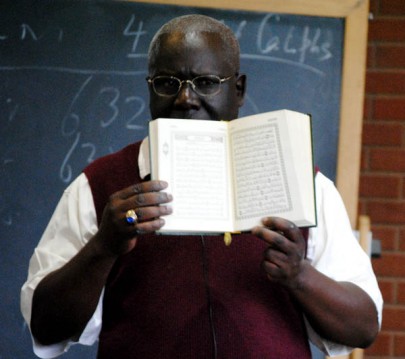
[[73, 89]]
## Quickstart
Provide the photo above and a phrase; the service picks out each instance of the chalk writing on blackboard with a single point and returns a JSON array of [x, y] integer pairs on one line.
[[294, 41], [25, 32], [109, 97], [136, 34], [293, 46]]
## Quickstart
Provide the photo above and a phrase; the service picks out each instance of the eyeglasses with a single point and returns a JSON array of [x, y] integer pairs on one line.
[[206, 85]]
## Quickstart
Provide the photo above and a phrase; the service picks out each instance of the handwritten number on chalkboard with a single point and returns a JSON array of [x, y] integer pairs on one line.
[[131, 123], [65, 172], [137, 34], [112, 105], [70, 124], [110, 97], [72, 115], [92, 156]]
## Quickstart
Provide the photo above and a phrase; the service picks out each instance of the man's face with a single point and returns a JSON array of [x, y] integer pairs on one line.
[[186, 57]]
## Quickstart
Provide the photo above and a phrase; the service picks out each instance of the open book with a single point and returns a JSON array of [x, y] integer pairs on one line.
[[225, 176]]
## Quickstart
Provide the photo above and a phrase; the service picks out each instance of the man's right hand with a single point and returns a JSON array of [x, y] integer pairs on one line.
[[147, 200]]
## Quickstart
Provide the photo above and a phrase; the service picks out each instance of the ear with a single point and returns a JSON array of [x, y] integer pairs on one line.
[[241, 89]]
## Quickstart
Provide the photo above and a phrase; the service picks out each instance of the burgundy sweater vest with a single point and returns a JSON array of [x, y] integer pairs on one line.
[[190, 297]]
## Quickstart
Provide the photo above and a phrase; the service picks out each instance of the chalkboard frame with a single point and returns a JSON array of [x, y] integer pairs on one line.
[[355, 14]]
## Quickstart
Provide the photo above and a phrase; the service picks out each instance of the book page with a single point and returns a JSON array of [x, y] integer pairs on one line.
[[199, 175], [193, 159], [266, 180], [260, 178]]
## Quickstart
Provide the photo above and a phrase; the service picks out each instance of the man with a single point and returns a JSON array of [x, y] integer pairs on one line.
[[94, 275]]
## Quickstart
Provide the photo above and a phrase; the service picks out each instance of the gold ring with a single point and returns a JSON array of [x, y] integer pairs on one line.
[[131, 216]]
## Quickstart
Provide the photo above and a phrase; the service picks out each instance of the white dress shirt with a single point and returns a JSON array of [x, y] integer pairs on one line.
[[332, 250]]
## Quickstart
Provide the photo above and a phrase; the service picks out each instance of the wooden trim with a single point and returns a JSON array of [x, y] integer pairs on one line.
[[352, 105], [332, 8], [355, 13]]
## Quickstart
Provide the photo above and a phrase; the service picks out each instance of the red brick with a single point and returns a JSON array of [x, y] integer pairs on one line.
[[361, 206], [401, 293], [382, 159], [365, 159], [399, 345], [378, 134], [387, 212], [390, 265], [384, 107], [401, 242], [374, 7], [387, 288], [389, 56], [367, 108], [380, 186], [371, 56], [386, 235], [385, 82], [381, 346], [389, 108], [386, 29], [392, 7], [394, 318]]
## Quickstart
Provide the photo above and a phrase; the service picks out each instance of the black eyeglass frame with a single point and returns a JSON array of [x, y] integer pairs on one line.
[[151, 80]]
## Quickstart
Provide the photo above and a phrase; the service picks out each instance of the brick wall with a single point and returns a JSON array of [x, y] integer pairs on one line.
[[382, 182]]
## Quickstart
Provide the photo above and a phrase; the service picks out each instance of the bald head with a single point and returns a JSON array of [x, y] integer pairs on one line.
[[190, 28]]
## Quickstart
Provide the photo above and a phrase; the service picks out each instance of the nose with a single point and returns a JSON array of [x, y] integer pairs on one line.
[[187, 98]]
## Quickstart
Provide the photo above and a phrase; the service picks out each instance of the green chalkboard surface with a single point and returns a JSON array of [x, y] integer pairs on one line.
[[73, 88]]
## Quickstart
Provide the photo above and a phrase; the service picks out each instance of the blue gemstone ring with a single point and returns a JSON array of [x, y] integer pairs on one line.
[[131, 217]]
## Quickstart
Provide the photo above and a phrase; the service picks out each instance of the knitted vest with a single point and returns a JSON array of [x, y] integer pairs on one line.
[[190, 297]]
